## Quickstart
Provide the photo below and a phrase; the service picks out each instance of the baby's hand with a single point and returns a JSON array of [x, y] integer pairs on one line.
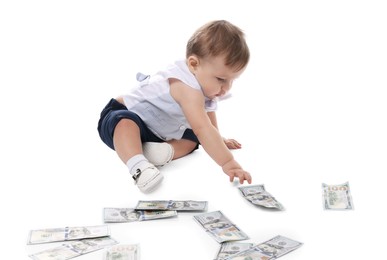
[[232, 143], [240, 174], [233, 169]]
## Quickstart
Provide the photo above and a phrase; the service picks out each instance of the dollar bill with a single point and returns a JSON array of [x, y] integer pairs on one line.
[[253, 253], [74, 249], [119, 215], [337, 197], [271, 249], [219, 227], [257, 195], [252, 189], [178, 205], [228, 249], [67, 233], [279, 246], [123, 252]]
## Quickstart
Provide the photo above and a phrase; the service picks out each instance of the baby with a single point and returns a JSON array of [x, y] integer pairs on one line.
[[170, 113]]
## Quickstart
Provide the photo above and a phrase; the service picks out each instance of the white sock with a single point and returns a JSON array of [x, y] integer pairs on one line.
[[132, 162]]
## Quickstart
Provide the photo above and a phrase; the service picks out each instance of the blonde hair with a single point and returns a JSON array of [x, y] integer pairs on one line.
[[220, 38]]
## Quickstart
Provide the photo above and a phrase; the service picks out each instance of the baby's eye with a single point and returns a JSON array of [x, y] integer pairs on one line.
[[220, 79]]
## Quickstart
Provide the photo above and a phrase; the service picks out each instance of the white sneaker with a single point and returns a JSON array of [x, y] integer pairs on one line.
[[158, 154], [146, 176]]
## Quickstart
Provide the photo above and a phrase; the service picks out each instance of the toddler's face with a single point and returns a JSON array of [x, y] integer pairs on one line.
[[214, 77]]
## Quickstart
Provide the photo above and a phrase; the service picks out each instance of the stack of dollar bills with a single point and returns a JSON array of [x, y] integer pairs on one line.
[[152, 209], [227, 249], [257, 195], [219, 227], [123, 252], [86, 239], [271, 249], [82, 240], [178, 205], [225, 232], [337, 197], [120, 215]]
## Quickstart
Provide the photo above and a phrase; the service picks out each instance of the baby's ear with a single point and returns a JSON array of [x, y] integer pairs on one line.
[[192, 62]]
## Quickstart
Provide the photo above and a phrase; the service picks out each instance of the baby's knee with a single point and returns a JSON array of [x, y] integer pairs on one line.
[[126, 124]]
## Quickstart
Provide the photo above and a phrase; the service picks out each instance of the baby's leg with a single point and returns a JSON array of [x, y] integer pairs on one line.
[[182, 147], [127, 139], [127, 144]]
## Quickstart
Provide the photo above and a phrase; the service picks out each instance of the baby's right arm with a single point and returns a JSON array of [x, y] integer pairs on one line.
[[192, 103]]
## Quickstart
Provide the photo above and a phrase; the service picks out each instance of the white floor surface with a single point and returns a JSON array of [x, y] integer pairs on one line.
[[310, 108]]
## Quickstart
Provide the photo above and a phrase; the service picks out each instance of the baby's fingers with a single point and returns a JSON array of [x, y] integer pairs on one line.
[[248, 178], [241, 175], [233, 144], [244, 176]]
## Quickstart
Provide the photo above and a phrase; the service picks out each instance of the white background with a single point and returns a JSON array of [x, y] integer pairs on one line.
[[310, 108]]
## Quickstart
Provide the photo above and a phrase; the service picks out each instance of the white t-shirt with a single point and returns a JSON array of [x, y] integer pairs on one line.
[[151, 100]]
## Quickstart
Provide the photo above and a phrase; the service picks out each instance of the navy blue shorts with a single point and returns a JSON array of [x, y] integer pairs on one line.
[[114, 111]]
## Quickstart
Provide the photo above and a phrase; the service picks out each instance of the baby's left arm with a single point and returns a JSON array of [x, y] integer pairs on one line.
[[230, 143]]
